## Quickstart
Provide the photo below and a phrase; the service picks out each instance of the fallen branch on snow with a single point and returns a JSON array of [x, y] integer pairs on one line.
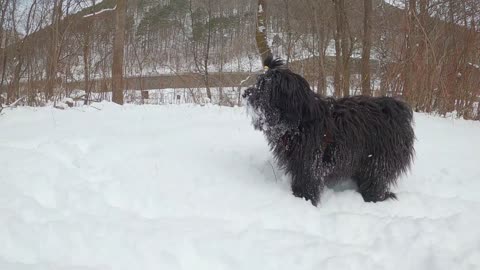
[[14, 104]]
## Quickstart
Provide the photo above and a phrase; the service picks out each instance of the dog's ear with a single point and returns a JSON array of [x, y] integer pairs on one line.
[[291, 94]]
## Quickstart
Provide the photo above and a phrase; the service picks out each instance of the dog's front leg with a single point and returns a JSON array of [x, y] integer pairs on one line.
[[307, 189], [306, 185]]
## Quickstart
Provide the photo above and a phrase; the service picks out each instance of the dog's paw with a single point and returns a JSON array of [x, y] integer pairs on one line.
[[379, 198], [390, 196], [306, 196]]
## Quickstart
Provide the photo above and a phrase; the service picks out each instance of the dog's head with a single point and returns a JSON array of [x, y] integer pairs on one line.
[[279, 97]]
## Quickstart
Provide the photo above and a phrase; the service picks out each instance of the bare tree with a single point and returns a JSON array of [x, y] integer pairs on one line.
[[13, 90], [261, 30], [87, 44], [433, 62], [4, 4], [367, 44], [118, 52], [53, 49], [322, 38], [201, 41], [207, 49], [409, 67], [343, 49]]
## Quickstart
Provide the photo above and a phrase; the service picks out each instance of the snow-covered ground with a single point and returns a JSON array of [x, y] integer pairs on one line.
[[191, 187]]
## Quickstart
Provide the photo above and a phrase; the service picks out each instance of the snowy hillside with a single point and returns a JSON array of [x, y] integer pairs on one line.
[[190, 187]]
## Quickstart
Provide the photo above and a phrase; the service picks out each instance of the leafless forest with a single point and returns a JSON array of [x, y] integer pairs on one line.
[[427, 51]]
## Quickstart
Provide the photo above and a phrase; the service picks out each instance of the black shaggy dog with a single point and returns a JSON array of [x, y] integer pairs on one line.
[[320, 140]]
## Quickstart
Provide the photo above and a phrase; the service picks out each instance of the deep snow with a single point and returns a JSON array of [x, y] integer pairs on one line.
[[190, 187]]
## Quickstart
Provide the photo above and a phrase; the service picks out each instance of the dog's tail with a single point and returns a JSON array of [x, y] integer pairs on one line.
[[271, 63]]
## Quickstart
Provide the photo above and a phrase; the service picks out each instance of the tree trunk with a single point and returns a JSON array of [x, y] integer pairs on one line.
[[346, 48], [86, 64], [367, 43], [4, 69], [338, 75], [261, 31], [14, 88], [422, 61], [207, 52], [452, 90], [118, 52], [409, 55], [87, 47], [3, 56], [52, 56], [320, 36]]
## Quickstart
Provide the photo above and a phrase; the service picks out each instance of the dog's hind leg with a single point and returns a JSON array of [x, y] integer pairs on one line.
[[374, 188]]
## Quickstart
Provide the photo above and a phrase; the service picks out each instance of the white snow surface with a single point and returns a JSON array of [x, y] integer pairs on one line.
[[191, 187], [100, 12]]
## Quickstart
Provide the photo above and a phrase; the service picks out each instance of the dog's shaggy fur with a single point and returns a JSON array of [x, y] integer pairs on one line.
[[319, 140]]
